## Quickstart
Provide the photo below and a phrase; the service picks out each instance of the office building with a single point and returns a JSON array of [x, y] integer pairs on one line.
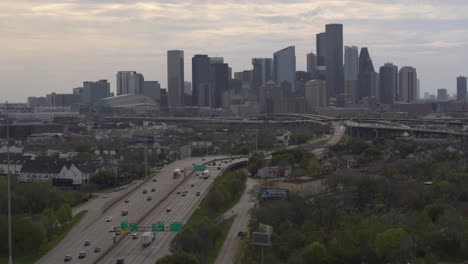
[[62, 100], [312, 65], [461, 88], [366, 75], [188, 88], [129, 82], [388, 83], [407, 84], [152, 89], [268, 93], [175, 78], [219, 82], [94, 91], [301, 78], [262, 72], [200, 75], [315, 94], [321, 45], [351, 63], [245, 78], [334, 60], [351, 91], [284, 68], [216, 60], [36, 101], [442, 94]]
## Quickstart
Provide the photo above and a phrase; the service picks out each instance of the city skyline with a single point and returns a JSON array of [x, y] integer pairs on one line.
[[67, 51]]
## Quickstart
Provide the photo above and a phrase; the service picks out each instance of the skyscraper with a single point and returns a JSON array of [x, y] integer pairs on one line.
[[442, 94], [407, 86], [175, 78], [388, 83], [129, 82], [334, 60], [312, 65], [285, 68], [461, 88], [200, 75], [315, 94], [93, 91], [262, 71], [219, 82], [321, 42], [366, 74], [152, 89], [351, 63]]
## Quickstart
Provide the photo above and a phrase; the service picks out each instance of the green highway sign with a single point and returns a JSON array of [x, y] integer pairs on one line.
[[158, 227], [175, 227], [199, 167], [124, 225], [133, 227]]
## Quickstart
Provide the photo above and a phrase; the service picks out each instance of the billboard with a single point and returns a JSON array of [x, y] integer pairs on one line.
[[145, 139], [274, 193]]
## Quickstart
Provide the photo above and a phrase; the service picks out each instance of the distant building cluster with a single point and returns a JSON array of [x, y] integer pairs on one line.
[[336, 76]]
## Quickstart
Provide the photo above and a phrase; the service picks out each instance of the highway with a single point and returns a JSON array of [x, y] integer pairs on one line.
[[181, 207], [95, 228]]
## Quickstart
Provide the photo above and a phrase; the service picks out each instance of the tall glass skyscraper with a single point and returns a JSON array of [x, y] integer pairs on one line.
[[334, 60], [351, 63], [366, 74], [175, 78], [321, 42], [262, 71], [388, 83], [200, 76], [285, 68]]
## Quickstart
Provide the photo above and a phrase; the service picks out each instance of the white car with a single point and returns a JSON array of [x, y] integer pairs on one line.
[[109, 219]]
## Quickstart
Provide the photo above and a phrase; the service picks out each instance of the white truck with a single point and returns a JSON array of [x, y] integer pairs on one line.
[[205, 174], [147, 238], [176, 173]]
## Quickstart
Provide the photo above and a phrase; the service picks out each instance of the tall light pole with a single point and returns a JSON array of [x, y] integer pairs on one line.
[[10, 244]]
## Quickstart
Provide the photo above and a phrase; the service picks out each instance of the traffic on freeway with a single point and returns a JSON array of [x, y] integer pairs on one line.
[[99, 230]]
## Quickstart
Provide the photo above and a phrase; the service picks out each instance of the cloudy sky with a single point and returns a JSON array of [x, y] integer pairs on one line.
[[53, 45]]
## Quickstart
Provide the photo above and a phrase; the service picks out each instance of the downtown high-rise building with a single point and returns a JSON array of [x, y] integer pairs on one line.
[[129, 82], [351, 63], [94, 91], [219, 82], [200, 78], [262, 71], [461, 88], [388, 83], [315, 94], [312, 65], [442, 94], [407, 84], [366, 75], [175, 78], [321, 46], [284, 68], [152, 89], [334, 60]]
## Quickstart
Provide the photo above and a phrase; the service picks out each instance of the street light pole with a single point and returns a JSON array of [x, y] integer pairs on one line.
[[10, 244]]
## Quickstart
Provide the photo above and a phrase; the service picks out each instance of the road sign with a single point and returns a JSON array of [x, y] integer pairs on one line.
[[175, 227], [124, 225], [199, 167], [145, 139], [133, 227], [158, 227]]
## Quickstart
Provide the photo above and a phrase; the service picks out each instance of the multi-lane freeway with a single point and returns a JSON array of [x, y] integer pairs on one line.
[[95, 227]]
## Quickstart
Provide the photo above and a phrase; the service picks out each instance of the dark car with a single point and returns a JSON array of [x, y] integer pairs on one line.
[[192, 185], [82, 255], [87, 243], [197, 194], [97, 249], [120, 261], [127, 201], [154, 180], [149, 198], [67, 258], [153, 189]]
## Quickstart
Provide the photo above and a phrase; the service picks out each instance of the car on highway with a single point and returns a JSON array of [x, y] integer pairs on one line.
[[155, 180], [153, 189], [67, 258], [178, 192], [219, 168], [97, 249], [203, 159], [104, 196], [183, 194], [145, 191], [109, 219], [134, 236], [192, 185], [87, 243], [197, 193], [112, 229], [149, 198], [82, 255], [117, 233], [120, 261], [127, 201], [168, 210], [124, 212]]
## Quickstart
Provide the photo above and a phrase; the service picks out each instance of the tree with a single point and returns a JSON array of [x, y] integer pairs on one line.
[[313, 167], [372, 153], [64, 213], [390, 170], [256, 162], [315, 253], [392, 245], [179, 257]]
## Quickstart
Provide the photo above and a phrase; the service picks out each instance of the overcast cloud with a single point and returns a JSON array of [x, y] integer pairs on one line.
[[56, 45]]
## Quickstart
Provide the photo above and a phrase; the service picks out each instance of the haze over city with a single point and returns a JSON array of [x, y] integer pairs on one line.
[[53, 46]]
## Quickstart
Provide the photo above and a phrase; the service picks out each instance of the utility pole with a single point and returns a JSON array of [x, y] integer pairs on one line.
[[10, 244], [146, 158]]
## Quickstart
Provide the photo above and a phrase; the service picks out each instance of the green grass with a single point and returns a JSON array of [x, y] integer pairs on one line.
[[225, 227], [55, 240]]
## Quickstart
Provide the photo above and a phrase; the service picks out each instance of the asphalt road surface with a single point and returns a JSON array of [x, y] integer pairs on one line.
[[94, 226]]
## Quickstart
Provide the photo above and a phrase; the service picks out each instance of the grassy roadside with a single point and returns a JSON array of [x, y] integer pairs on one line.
[[205, 232], [30, 259]]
